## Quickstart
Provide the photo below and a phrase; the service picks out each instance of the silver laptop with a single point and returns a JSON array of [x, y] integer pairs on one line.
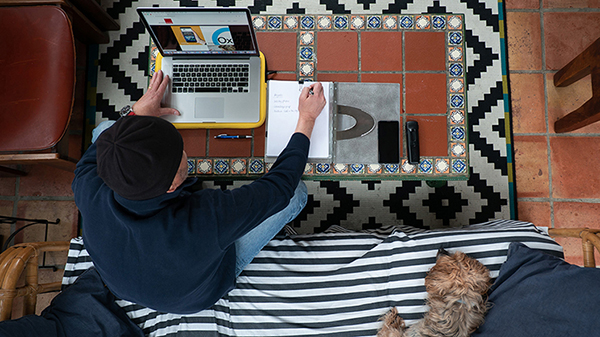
[[212, 58]]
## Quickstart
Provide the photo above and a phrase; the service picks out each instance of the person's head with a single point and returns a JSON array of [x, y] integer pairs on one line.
[[141, 157]]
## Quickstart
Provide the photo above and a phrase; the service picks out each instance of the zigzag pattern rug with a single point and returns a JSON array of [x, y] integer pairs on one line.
[[489, 193]]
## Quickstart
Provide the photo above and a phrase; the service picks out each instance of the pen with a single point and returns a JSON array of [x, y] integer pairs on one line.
[[225, 136]]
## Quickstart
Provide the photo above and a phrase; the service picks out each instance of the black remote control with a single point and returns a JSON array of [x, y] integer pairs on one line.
[[412, 142]]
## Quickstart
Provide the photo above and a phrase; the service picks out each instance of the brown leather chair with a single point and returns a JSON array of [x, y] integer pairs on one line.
[[37, 86]]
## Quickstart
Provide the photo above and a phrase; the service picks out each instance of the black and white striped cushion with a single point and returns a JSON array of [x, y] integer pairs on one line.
[[332, 284]]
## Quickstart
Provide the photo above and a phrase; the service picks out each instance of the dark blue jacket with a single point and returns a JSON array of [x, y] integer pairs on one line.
[[176, 253]]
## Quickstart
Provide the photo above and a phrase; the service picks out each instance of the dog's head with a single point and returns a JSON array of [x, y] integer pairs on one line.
[[457, 275]]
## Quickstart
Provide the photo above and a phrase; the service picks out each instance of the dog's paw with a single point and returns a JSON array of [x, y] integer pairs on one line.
[[393, 325]]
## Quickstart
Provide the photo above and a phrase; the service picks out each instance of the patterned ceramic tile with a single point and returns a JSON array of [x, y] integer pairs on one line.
[[341, 22], [309, 168], [221, 166], [408, 168], [191, 165], [307, 68], [238, 166], [407, 22], [340, 168], [268, 167], [455, 54], [391, 168], [324, 22], [457, 117], [390, 22], [455, 22], [357, 22], [458, 133], [290, 22], [456, 85], [259, 22], [423, 22], [307, 53], [323, 168], [307, 38], [456, 69], [442, 166], [459, 166], [458, 149], [374, 169], [357, 168], [438, 22], [257, 166], [307, 22], [274, 22], [374, 22], [426, 166], [457, 101], [204, 166], [455, 38]]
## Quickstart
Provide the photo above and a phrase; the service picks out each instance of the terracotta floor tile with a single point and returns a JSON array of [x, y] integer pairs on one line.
[[433, 135], [426, 93], [527, 99], [44, 180], [574, 167], [384, 78], [425, 51], [531, 166], [66, 211], [571, 4], [523, 40], [280, 50], [6, 209], [194, 142], [563, 100], [337, 51], [259, 140], [536, 212], [522, 4], [8, 185], [381, 51], [332, 77], [568, 34], [283, 77], [575, 215], [229, 147]]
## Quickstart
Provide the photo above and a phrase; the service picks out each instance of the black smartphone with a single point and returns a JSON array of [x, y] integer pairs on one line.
[[412, 142], [388, 135]]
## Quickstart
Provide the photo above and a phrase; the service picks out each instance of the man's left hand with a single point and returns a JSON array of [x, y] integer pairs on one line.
[[149, 104]]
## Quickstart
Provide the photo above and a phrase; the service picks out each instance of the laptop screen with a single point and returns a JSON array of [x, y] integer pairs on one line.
[[200, 31]]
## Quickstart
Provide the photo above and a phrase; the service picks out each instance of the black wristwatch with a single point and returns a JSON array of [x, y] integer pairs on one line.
[[127, 111]]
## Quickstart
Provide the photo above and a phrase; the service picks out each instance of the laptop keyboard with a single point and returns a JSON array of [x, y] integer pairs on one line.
[[193, 78]]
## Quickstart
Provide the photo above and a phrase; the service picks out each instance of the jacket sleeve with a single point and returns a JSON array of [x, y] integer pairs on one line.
[[240, 210]]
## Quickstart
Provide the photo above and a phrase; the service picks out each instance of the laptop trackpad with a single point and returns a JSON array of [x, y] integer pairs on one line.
[[209, 107]]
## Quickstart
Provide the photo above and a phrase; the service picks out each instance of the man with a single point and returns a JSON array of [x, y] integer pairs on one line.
[[156, 242]]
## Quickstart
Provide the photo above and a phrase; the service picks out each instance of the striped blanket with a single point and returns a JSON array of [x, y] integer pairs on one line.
[[333, 284]]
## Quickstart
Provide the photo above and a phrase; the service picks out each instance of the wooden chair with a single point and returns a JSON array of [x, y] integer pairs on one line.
[[586, 63], [24, 259], [37, 64]]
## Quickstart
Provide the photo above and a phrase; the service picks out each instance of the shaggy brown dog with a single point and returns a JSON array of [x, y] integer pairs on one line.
[[456, 287]]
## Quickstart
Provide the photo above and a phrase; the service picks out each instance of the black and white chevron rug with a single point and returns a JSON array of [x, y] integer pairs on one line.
[[489, 193]]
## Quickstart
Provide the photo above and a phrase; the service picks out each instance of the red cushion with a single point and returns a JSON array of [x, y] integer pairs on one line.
[[37, 66]]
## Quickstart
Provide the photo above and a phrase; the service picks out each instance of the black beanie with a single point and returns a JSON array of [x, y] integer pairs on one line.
[[138, 157]]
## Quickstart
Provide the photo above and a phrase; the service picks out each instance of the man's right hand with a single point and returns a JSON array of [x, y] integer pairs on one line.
[[311, 103]]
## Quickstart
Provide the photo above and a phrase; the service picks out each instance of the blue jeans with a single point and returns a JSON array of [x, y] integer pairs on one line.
[[249, 245]]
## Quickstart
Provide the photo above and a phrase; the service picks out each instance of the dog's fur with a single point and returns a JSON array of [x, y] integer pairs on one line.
[[456, 290]]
